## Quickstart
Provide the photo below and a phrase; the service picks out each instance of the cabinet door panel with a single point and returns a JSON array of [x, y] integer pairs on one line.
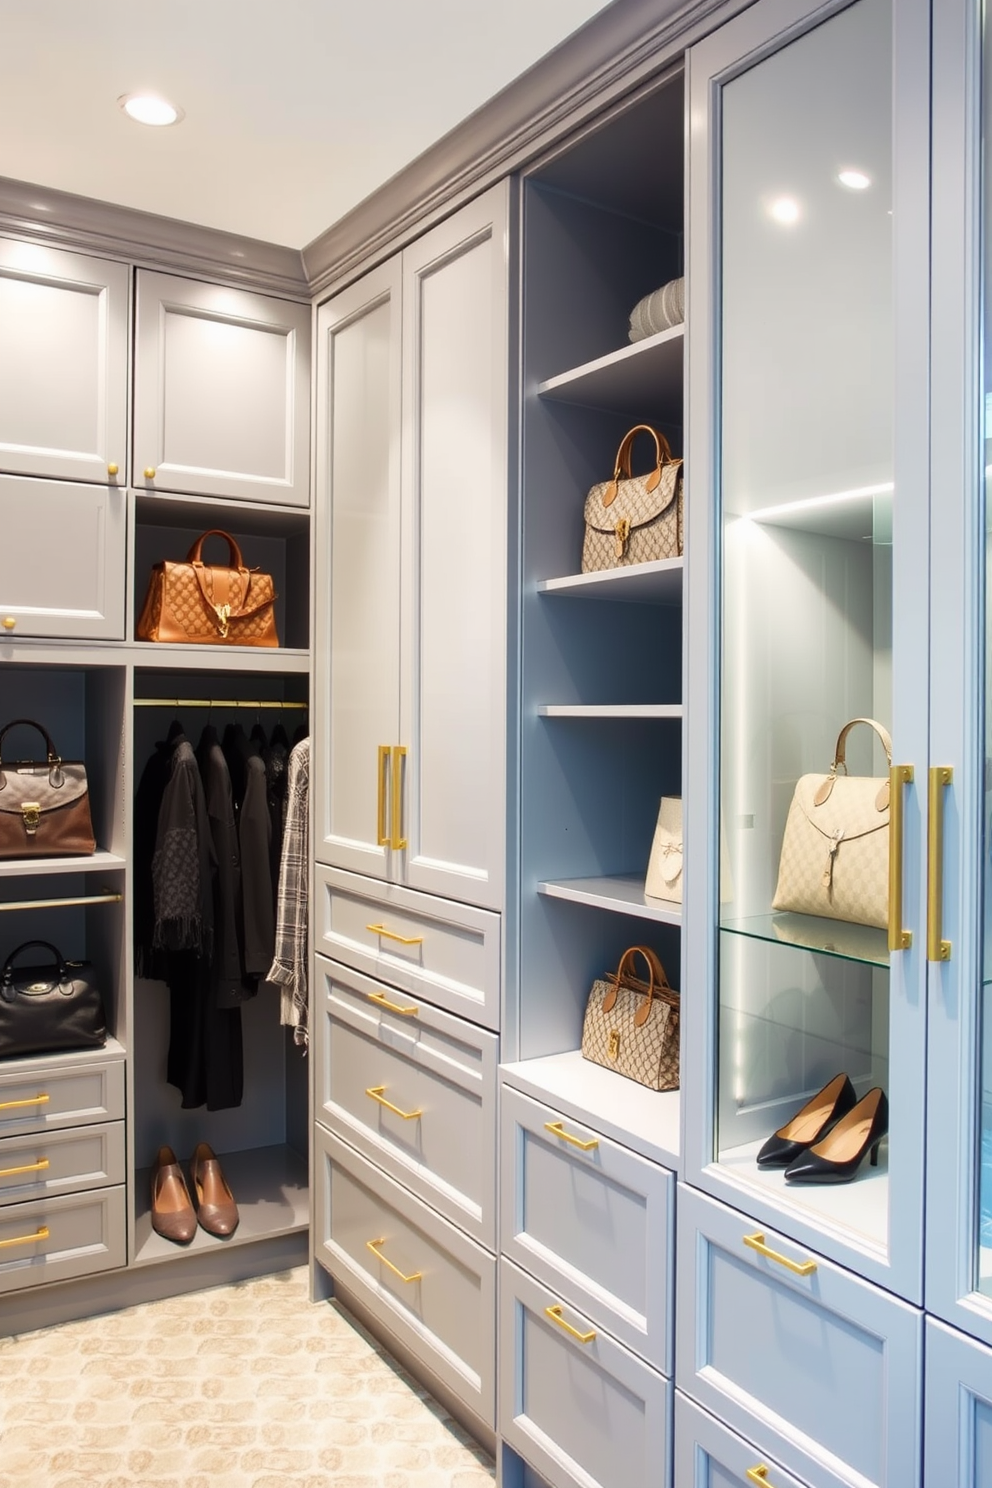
[[958, 1398], [63, 364], [453, 717], [55, 1239], [358, 547], [821, 1369], [707, 1455], [222, 403], [72, 586]]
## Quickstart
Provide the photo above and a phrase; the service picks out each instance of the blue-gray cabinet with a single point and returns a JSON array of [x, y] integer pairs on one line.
[[958, 1425]]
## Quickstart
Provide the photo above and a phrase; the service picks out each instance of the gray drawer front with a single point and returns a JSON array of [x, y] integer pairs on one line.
[[581, 1413], [85, 1233], [452, 957], [447, 1312], [595, 1225], [57, 1162], [56, 1095], [958, 1433], [823, 1371], [432, 1063], [707, 1455]]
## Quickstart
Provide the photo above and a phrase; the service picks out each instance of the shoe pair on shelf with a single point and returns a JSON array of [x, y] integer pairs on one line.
[[826, 1141], [173, 1215]]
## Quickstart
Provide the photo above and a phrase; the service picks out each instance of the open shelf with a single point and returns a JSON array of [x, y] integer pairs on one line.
[[647, 1121], [624, 894], [622, 382], [658, 582], [98, 862], [220, 658], [862, 943], [269, 1185], [860, 1207], [610, 710]]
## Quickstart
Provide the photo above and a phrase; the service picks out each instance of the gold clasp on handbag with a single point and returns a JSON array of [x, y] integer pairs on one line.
[[613, 1048], [224, 616], [621, 532], [31, 812]]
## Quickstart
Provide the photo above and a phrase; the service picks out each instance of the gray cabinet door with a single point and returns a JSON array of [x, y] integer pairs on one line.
[[958, 1410], [62, 560], [707, 1455], [63, 364], [222, 392]]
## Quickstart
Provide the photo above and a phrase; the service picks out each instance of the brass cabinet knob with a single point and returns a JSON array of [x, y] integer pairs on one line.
[[149, 472], [113, 468], [8, 622]]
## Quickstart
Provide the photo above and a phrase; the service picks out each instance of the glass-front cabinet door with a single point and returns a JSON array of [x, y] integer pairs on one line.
[[808, 640]]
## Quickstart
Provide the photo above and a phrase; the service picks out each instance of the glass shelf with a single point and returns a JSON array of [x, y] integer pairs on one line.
[[658, 582], [839, 938]]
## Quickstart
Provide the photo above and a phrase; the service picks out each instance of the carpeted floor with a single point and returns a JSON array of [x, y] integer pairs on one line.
[[247, 1386]]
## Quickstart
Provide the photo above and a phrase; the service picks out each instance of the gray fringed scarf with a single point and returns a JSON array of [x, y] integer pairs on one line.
[[181, 869]]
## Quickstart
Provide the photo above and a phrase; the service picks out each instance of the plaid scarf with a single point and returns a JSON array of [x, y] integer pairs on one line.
[[289, 967]]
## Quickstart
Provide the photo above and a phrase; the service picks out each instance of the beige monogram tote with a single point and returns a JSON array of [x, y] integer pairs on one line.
[[633, 1026], [835, 853], [635, 518]]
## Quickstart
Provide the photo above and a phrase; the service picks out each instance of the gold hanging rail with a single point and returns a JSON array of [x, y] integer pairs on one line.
[[217, 703], [106, 898]]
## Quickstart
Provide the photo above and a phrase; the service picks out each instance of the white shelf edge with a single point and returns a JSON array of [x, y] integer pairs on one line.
[[565, 380], [98, 862], [623, 894], [609, 710], [241, 659], [659, 582]]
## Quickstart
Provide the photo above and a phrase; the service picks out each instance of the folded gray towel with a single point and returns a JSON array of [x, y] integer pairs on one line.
[[658, 311]]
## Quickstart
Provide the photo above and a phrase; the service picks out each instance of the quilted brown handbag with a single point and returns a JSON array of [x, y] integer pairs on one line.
[[635, 518], [835, 853], [208, 604], [44, 805], [633, 1026]]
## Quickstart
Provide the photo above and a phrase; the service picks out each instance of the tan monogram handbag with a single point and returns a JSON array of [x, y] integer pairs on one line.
[[209, 604], [835, 853], [635, 518], [44, 804], [633, 1026], [664, 877]]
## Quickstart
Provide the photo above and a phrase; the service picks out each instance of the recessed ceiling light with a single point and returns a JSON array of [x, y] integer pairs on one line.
[[147, 108], [854, 180], [786, 210]]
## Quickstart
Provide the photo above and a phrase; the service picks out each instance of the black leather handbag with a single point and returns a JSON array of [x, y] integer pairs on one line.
[[48, 1008]]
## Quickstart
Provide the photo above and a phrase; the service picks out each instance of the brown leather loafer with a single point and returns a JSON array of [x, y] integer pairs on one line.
[[215, 1206], [173, 1216]]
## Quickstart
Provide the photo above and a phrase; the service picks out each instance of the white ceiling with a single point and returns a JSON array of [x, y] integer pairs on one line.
[[295, 110]]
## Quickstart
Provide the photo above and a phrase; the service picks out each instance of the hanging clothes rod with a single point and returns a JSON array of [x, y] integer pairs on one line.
[[216, 703], [107, 898]]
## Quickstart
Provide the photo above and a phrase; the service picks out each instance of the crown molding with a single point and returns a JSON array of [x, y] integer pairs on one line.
[[615, 52], [68, 221]]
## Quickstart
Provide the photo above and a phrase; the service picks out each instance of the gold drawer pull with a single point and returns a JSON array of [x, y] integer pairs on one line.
[[41, 1233], [10, 622], [391, 935], [557, 1130], [899, 776], [554, 1313], [36, 1100], [149, 472], [394, 1007], [35, 1167], [798, 1268], [375, 1091], [113, 468], [373, 1246], [758, 1475], [381, 835], [398, 841], [938, 949]]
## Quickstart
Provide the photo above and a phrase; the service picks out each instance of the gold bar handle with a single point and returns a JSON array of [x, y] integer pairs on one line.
[[399, 755], [798, 1268], [554, 1313], [373, 1246], [41, 1233], [36, 1100], [557, 1130], [391, 935], [937, 949], [375, 1091], [759, 1474], [35, 1167], [394, 1007], [381, 835], [899, 776]]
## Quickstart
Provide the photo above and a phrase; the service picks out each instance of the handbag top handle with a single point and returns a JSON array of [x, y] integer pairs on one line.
[[622, 467], [7, 975], [55, 776], [234, 552], [656, 974], [840, 760]]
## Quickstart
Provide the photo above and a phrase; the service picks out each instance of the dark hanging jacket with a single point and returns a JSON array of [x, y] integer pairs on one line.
[[230, 988]]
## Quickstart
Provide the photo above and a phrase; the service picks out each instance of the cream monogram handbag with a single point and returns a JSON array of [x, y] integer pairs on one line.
[[633, 1026], [664, 878], [635, 518], [835, 853]]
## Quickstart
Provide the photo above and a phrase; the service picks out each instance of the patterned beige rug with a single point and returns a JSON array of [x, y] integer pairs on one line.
[[248, 1386]]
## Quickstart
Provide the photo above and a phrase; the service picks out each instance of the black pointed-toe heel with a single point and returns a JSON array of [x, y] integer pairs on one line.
[[837, 1158], [809, 1124]]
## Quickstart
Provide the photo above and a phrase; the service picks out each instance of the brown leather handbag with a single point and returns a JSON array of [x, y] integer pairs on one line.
[[209, 604], [44, 804]]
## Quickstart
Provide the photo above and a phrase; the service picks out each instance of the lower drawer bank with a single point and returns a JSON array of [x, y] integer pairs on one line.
[[43, 1240], [575, 1404], [427, 1281]]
